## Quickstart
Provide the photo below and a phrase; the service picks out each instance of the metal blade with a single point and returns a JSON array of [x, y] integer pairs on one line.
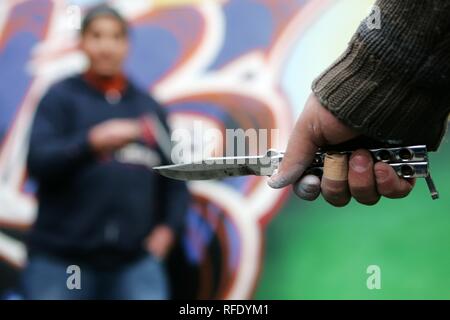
[[218, 168], [203, 171]]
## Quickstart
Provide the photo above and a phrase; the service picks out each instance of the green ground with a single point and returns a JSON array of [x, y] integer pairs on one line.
[[315, 251]]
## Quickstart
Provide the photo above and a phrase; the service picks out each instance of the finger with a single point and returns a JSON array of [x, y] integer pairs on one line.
[[299, 155], [316, 127], [389, 184], [361, 179], [308, 187], [334, 181]]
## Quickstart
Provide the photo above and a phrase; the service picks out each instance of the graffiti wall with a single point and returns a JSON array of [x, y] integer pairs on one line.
[[231, 64]]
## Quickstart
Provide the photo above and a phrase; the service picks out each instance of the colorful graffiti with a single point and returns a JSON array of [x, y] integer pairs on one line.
[[222, 62]]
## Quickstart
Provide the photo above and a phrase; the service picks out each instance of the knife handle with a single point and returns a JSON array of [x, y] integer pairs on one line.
[[407, 162]]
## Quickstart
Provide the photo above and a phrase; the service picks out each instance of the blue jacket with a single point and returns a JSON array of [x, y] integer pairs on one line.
[[95, 210]]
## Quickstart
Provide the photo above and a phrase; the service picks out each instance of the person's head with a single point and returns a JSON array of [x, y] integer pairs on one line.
[[104, 39]]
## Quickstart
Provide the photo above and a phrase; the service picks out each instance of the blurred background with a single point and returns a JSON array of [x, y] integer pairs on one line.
[[231, 64]]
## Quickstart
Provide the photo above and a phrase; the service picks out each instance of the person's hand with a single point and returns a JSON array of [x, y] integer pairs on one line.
[[160, 241], [113, 134], [367, 181]]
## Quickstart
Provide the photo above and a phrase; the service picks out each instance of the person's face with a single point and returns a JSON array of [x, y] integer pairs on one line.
[[106, 45]]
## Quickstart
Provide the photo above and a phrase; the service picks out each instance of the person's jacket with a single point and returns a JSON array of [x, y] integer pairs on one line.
[[90, 208]]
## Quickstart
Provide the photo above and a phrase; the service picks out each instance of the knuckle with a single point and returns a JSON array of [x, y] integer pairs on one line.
[[361, 188], [333, 192], [338, 197], [368, 201], [365, 193], [395, 193], [341, 201], [387, 187]]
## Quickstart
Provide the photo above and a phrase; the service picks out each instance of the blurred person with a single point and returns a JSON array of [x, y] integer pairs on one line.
[[101, 208], [391, 85]]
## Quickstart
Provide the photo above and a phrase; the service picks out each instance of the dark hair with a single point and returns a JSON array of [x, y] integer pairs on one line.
[[101, 11]]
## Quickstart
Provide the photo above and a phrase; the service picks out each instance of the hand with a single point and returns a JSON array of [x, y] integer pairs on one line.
[[113, 134], [160, 241], [367, 182]]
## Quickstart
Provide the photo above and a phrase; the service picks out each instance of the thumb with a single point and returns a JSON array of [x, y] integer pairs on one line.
[[299, 154], [306, 138]]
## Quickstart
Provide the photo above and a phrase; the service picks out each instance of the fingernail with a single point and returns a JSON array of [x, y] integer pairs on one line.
[[381, 175], [276, 181], [281, 179], [308, 188], [359, 164], [307, 196], [307, 191], [310, 183]]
